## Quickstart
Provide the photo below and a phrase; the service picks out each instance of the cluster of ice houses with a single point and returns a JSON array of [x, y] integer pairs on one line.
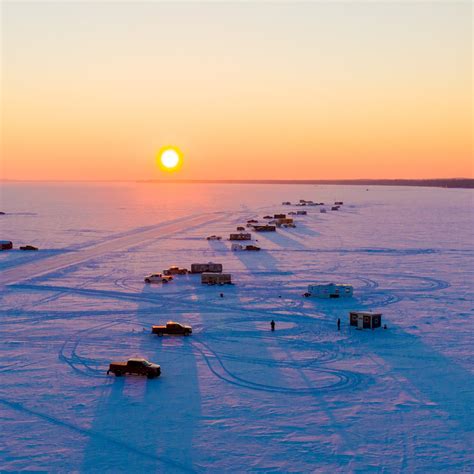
[[322, 290]]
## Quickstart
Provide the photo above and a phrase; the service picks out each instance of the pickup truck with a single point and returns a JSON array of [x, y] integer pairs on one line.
[[174, 270], [252, 247], [172, 328], [158, 278], [135, 366]]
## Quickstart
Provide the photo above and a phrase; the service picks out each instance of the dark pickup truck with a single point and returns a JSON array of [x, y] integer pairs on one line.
[[28, 247], [172, 328], [135, 366]]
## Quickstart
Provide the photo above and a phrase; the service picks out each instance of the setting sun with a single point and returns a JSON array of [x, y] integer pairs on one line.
[[170, 158]]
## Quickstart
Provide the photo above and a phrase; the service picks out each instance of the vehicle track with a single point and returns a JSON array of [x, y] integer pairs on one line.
[[13, 405], [344, 379], [133, 238]]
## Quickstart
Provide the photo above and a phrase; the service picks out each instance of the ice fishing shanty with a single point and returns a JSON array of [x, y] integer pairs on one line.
[[264, 228], [206, 267], [365, 319], [240, 236], [330, 290], [6, 245], [216, 278]]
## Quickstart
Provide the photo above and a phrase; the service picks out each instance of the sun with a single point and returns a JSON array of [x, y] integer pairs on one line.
[[170, 158]]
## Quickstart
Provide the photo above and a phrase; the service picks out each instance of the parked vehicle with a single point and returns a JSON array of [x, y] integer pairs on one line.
[[286, 203], [174, 270], [252, 247], [267, 217], [28, 247], [172, 328], [279, 216], [334, 208], [135, 366], [206, 267], [158, 278], [240, 228], [252, 221], [264, 228], [216, 279], [214, 237], [339, 203]]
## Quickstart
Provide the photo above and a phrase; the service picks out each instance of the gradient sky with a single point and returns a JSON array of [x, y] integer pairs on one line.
[[247, 90]]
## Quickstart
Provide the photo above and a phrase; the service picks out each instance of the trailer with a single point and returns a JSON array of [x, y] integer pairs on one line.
[[6, 245], [330, 290], [206, 267], [241, 236], [365, 319], [216, 278], [301, 213], [264, 228], [284, 220]]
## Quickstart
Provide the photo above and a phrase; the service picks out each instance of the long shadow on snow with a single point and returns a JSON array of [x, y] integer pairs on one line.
[[282, 239], [222, 352], [302, 228], [440, 379], [344, 379], [154, 416]]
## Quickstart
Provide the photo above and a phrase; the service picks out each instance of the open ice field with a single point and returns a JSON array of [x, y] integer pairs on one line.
[[235, 396]]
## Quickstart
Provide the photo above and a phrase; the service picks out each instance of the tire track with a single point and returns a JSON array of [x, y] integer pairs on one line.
[[133, 238]]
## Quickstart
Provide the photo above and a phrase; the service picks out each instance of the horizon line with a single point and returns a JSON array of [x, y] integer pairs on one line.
[[459, 182]]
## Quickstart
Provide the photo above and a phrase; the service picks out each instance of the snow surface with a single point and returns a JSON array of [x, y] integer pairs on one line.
[[235, 396]]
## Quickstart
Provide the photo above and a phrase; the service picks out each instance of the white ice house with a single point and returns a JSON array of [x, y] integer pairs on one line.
[[330, 290]]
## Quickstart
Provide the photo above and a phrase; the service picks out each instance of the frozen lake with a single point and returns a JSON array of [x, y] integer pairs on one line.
[[235, 396]]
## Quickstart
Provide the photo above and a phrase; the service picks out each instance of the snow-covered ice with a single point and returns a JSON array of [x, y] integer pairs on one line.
[[235, 396]]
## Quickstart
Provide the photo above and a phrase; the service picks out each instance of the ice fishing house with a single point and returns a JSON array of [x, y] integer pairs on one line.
[[365, 319], [240, 236], [330, 290]]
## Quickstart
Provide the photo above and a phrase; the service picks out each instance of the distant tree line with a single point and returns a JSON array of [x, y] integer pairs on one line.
[[436, 183]]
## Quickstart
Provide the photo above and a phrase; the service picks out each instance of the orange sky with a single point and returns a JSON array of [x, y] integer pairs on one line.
[[247, 91]]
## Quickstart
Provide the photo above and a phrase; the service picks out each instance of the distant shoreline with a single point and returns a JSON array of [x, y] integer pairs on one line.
[[459, 183], [465, 183]]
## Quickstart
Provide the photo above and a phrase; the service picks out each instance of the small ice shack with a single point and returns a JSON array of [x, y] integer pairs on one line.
[[330, 290], [216, 278], [5, 245], [240, 236], [365, 319]]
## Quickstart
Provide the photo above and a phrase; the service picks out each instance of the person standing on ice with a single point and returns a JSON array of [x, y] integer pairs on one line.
[[272, 325], [338, 324]]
